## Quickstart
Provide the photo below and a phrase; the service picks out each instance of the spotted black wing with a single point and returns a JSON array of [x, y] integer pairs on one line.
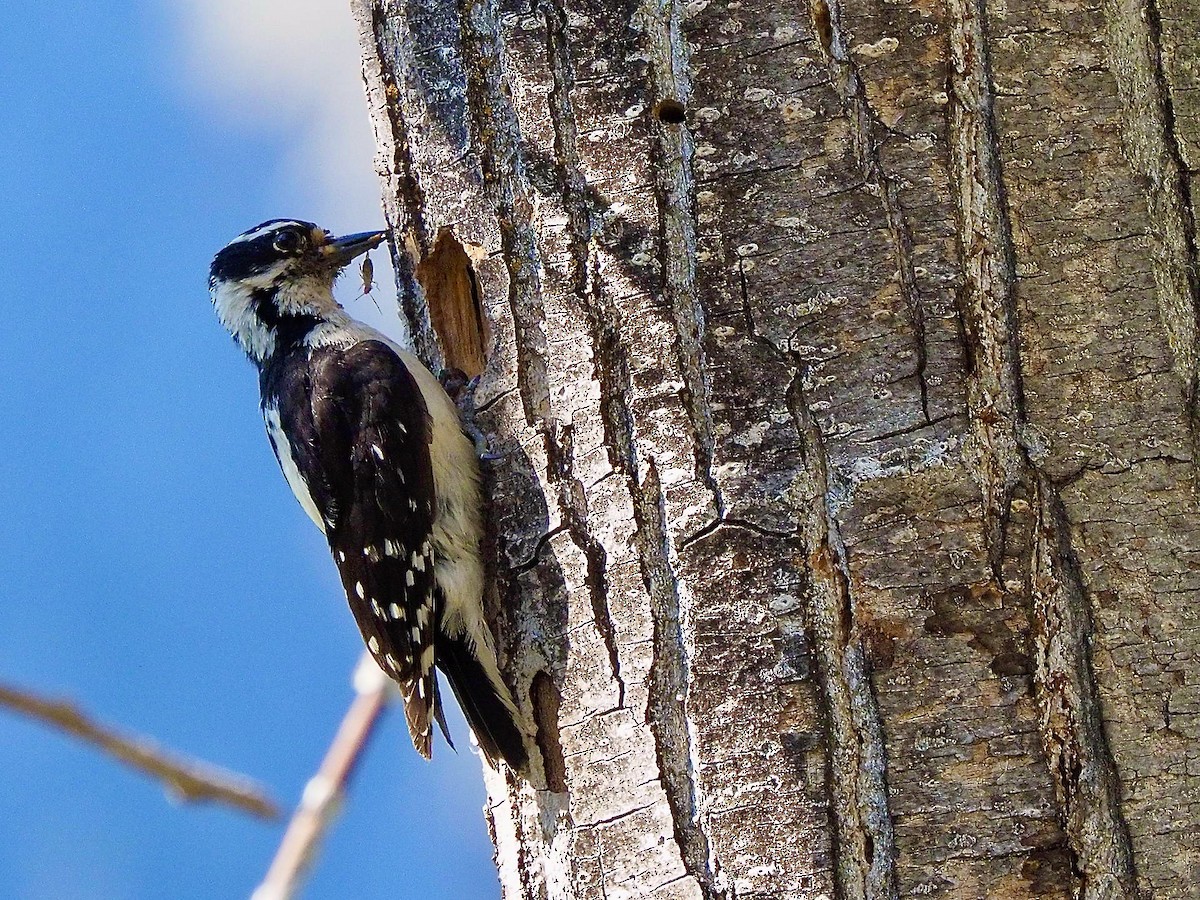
[[366, 462]]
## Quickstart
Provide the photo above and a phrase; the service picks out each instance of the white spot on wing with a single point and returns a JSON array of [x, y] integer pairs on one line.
[[378, 451], [374, 645], [397, 612], [408, 577], [358, 589]]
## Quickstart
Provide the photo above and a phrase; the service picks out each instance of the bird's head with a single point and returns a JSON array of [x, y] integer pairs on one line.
[[277, 277]]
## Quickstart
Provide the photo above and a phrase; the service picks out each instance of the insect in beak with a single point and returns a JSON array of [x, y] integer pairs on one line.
[[367, 270]]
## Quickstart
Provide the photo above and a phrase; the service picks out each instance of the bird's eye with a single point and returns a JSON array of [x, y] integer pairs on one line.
[[288, 242]]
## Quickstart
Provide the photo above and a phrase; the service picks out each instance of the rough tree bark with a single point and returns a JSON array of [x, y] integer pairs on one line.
[[842, 356]]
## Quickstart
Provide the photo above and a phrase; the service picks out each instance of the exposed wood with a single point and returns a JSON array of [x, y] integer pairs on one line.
[[447, 280], [842, 357]]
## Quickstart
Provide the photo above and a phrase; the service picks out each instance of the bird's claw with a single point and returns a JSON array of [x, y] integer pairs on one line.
[[462, 391]]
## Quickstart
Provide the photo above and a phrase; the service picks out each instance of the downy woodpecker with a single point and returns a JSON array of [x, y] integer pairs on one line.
[[374, 450]]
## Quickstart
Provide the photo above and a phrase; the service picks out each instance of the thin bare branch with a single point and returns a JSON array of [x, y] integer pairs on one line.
[[322, 795], [190, 780]]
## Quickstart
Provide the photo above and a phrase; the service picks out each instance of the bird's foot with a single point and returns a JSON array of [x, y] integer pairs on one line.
[[462, 391]]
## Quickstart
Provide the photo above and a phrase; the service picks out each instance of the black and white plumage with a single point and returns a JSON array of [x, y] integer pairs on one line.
[[374, 450]]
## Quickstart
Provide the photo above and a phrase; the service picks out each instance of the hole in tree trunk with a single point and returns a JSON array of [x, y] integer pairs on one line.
[[670, 111], [455, 311]]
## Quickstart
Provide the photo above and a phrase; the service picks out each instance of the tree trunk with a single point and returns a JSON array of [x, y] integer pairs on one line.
[[842, 358]]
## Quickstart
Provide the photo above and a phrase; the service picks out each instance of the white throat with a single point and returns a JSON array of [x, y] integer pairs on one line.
[[235, 307], [238, 310]]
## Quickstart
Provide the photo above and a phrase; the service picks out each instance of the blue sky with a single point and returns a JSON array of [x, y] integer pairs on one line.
[[157, 569]]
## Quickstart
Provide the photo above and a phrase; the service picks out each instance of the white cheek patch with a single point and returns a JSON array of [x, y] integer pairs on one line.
[[238, 310], [235, 308]]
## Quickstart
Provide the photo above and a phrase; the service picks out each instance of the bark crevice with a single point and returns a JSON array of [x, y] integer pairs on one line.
[[580, 213], [1065, 691], [404, 198], [545, 699], [608, 353], [674, 184], [856, 780], [666, 702], [861, 821], [986, 299], [497, 135], [1134, 39], [866, 132], [864, 837], [1085, 778], [572, 504], [610, 359]]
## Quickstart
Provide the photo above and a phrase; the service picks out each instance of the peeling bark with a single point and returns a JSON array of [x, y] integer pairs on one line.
[[842, 361]]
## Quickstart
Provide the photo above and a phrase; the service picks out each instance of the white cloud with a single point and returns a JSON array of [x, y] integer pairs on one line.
[[293, 67]]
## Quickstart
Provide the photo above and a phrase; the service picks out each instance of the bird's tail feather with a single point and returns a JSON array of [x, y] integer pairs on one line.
[[420, 700], [490, 713]]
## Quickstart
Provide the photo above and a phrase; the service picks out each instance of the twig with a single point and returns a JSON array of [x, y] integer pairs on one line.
[[320, 801], [188, 779]]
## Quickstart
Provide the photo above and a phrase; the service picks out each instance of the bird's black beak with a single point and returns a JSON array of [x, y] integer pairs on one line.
[[341, 250]]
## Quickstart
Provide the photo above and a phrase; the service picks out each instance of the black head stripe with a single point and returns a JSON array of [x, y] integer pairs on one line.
[[253, 251], [276, 225], [289, 328]]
